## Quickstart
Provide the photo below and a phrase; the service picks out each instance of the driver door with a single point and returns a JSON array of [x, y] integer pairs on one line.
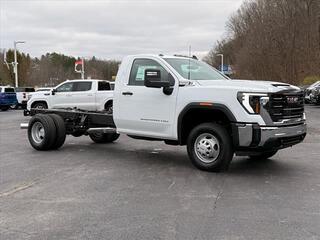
[[147, 111]]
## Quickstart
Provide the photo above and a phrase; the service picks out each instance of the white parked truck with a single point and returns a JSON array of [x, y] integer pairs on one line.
[[23, 93], [92, 95], [183, 101]]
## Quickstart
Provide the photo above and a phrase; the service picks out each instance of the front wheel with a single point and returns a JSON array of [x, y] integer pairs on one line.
[[104, 137], [210, 147]]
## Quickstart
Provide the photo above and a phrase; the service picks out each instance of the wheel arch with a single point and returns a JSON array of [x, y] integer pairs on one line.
[[110, 100], [39, 101], [205, 113]]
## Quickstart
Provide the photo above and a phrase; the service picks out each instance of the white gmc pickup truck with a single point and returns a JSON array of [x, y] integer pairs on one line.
[[93, 95], [183, 101]]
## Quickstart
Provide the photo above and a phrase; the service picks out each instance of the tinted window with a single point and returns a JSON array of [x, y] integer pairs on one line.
[[21, 89], [9, 90], [138, 68], [30, 90], [81, 86], [66, 87], [104, 86]]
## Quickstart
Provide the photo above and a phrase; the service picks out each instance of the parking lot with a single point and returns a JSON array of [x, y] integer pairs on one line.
[[147, 190]]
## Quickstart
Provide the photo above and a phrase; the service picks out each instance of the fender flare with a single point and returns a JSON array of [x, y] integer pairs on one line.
[[40, 100], [198, 105]]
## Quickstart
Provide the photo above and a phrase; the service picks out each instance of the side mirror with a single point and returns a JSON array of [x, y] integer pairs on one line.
[[53, 91], [152, 78]]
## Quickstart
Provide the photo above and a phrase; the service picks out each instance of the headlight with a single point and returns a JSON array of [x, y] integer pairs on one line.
[[252, 102]]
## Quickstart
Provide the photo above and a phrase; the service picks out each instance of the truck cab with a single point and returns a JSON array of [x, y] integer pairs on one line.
[[182, 93]]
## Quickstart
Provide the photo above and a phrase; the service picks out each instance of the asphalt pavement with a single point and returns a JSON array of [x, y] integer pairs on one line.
[[135, 189]]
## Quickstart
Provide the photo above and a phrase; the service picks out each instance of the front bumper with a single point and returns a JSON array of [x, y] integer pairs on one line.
[[264, 138]]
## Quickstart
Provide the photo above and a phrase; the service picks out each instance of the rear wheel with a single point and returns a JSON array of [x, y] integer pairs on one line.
[[263, 156], [60, 131], [42, 132], [104, 137], [210, 147]]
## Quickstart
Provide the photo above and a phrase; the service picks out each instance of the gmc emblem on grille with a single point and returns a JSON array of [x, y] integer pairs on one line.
[[292, 99]]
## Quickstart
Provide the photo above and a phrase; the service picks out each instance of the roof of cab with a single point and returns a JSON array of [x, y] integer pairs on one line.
[[159, 56], [79, 80]]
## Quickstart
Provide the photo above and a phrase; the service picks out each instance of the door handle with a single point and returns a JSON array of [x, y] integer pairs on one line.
[[127, 93]]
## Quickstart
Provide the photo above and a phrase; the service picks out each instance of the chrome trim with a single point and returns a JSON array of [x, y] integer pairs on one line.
[[276, 132], [245, 132]]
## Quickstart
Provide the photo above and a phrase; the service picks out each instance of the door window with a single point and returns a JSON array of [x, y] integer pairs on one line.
[[67, 87], [104, 86], [81, 86], [138, 68]]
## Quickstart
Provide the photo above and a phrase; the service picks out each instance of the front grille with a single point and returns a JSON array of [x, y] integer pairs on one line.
[[287, 106]]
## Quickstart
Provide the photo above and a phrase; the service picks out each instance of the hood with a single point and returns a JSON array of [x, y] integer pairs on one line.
[[249, 85]]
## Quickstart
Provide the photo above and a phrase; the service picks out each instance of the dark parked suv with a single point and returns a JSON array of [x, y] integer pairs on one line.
[[7, 97], [315, 95]]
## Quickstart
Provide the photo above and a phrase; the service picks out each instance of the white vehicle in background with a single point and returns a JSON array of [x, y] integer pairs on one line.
[[90, 95], [23, 96], [308, 91]]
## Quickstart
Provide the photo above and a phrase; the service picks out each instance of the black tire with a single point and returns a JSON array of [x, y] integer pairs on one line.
[[212, 138], [104, 137], [40, 105], [60, 131], [5, 108], [108, 108], [263, 156], [46, 139]]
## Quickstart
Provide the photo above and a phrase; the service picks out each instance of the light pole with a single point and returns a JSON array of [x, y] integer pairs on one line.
[[15, 66], [221, 55]]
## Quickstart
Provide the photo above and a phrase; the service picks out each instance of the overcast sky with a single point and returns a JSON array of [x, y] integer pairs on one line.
[[113, 29]]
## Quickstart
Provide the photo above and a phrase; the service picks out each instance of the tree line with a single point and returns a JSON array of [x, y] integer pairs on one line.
[[274, 40], [52, 68]]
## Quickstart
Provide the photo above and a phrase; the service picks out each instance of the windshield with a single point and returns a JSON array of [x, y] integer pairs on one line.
[[194, 70]]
